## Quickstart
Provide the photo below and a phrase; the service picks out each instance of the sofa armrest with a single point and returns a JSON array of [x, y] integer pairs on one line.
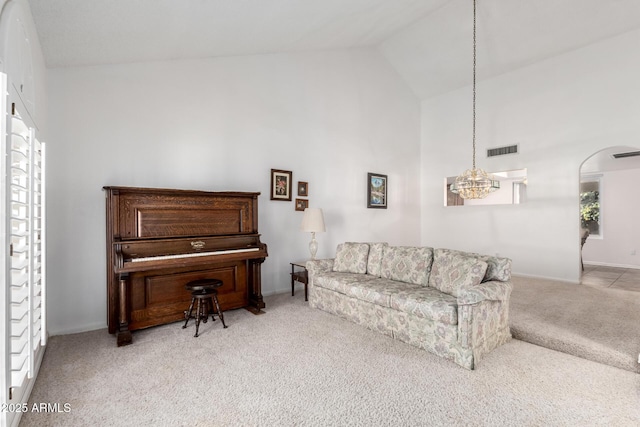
[[318, 266], [483, 317], [487, 291]]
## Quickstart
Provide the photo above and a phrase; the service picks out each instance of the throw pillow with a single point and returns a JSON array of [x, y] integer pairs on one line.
[[351, 258], [452, 271], [498, 268]]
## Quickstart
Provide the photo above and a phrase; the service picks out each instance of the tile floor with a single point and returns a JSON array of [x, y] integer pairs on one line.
[[611, 277]]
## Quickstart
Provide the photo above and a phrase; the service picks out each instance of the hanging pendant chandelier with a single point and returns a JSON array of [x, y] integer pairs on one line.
[[474, 183]]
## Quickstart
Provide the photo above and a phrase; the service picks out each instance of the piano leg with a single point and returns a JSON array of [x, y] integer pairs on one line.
[[123, 336], [256, 303]]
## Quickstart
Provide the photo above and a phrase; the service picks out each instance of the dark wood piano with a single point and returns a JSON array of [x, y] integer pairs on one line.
[[160, 239]]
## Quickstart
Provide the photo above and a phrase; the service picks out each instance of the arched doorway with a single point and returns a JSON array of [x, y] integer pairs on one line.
[[608, 207]]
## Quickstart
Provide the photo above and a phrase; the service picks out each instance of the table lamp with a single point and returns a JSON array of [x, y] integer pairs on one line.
[[313, 222]]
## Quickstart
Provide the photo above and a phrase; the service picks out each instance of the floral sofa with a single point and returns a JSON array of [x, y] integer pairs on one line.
[[451, 303]]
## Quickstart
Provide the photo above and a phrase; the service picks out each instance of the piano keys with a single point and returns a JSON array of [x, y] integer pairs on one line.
[[160, 239], [178, 256]]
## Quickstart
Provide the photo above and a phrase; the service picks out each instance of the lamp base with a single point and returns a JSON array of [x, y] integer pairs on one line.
[[313, 245]]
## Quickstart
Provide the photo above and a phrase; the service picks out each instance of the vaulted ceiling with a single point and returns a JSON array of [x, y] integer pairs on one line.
[[427, 41]]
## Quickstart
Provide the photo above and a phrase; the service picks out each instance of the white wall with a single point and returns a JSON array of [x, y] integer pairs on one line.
[[619, 207], [222, 124], [560, 111]]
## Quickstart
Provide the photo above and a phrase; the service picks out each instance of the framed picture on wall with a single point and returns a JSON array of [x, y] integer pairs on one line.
[[301, 204], [376, 190], [281, 184], [303, 189]]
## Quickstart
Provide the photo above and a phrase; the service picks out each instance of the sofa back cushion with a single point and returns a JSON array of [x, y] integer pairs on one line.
[[453, 271], [409, 264], [351, 258], [374, 263]]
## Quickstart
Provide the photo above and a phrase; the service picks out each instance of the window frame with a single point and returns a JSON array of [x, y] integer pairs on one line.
[[593, 178]]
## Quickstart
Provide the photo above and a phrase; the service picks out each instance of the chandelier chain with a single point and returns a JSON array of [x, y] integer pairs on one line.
[[474, 183], [474, 84]]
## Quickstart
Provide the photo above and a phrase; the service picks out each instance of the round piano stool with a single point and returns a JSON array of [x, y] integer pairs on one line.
[[204, 295]]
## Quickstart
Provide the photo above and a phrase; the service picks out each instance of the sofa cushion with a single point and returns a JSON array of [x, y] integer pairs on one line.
[[374, 290], [338, 282], [374, 263], [452, 271], [426, 302], [408, 264], [351, 258], [421, 301]]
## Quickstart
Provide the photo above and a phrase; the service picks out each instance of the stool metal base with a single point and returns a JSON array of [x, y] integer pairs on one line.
[[203, 296]]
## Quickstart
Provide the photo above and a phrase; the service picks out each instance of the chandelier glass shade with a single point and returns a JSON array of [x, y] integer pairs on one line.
[[474, 183]]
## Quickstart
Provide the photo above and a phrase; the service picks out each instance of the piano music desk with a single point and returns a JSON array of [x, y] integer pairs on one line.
[[299, 276]]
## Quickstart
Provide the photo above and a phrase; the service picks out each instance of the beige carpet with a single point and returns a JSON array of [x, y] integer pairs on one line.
[[599, 324], [299, 366]]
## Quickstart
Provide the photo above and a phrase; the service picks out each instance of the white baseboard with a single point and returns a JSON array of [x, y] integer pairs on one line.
[[84, 328], [608, 264], [535, 276], [277, 292]]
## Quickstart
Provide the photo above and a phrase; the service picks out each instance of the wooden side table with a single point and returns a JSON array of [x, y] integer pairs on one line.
[[298, 275]]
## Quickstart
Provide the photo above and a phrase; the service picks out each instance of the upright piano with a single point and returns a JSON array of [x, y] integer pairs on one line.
[[160, 239]]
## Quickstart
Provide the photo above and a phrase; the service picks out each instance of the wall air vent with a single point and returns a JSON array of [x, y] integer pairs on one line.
[[628, 154], [501, 151]]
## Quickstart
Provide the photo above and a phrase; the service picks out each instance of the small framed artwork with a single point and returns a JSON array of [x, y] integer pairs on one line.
[[301, 204], [376, 190], [281, 185], [303, 188]]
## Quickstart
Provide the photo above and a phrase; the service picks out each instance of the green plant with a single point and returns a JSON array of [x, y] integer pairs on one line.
[[589, 207]]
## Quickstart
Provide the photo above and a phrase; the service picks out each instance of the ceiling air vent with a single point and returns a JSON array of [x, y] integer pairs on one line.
[[501, 151], [629, 154]]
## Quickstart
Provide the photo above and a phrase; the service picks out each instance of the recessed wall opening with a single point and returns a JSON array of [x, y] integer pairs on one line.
[[513, 190]]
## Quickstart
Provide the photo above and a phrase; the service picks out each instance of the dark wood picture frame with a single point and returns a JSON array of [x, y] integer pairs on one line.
[[281, 181], [302, 204], [377, 185], [303, 189]]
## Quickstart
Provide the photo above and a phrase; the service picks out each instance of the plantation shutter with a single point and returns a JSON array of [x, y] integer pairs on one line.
[[23, 258]]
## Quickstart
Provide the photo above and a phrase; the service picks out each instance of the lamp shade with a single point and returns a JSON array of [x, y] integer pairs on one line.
[[313, 220]]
